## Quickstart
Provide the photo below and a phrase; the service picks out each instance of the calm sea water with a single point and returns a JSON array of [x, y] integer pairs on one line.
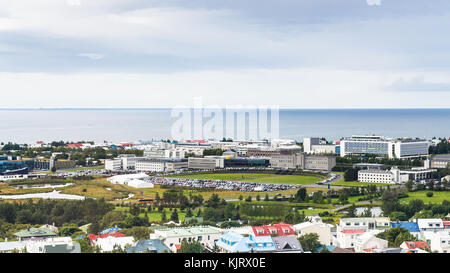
[[29, 126]]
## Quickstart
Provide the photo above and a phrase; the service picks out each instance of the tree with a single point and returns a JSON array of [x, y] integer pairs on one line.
[[409, 185], [191, 247], [351, 211], [248, 199], [396, 236], [367, 212], [310, 242], [351, 175], [94, 228], [174, 216], [301, 194], [266, 198]]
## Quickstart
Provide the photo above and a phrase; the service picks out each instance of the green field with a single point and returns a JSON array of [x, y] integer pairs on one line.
[[437, 198], [155, 216], [255, 177]]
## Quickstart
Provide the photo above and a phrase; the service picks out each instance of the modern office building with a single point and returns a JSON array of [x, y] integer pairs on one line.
[[378, 145], [313, 145], [16, 167], [440, 161], [49, 163], [303, 161], [160, 164], [247, 162], [205, 163], [394, 175], [376, 176]]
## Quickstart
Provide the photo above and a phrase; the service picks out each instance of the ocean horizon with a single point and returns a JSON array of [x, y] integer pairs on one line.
[[28, 125]]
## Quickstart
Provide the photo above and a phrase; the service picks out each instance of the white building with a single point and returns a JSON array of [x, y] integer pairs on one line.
[[53, 245], [207, 162], [132, 180], [108, 243], [368, 242], [321, 229], [394, 175], [434, 224], [438, 241], [113, 164], [376, 176], [160, 164], [392, 148], [172, 237]]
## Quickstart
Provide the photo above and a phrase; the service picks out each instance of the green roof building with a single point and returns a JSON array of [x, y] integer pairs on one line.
[[30, 233]]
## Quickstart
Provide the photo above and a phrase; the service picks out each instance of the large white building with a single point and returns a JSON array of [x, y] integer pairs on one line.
[[205, 163], [392, 148], [394, 175], [160, 164]]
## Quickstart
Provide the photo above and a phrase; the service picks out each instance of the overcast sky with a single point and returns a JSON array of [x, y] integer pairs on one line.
[[163, 53]]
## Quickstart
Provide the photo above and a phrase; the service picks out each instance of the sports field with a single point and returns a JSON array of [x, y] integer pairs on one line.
[[255, 177]]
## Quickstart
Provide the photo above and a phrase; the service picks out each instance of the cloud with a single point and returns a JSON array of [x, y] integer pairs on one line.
[[92, 56], [418, 84]]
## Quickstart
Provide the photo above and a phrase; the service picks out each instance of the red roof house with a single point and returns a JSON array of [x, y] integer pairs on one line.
[[414, 245], [280, 229], [93, 237]]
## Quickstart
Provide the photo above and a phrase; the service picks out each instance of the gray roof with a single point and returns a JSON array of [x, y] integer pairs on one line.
[[287, 243], [63, 248], [445, 157], [154, 245]]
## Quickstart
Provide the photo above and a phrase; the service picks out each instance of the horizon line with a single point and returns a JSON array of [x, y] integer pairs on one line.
[[168, 108]]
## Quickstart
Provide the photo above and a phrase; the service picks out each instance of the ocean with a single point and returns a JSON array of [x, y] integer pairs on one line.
[[120, 125]]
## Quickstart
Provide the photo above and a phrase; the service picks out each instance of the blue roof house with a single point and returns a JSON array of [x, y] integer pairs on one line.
[[412, 227], [232, 242]]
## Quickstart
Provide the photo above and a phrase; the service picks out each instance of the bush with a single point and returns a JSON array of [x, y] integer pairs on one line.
[[429, 194]]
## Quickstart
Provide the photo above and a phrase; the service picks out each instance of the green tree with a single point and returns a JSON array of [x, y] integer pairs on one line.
[[191, 247], [310, 242]]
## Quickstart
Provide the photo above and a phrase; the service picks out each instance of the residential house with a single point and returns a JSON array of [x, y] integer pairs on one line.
[[149, 246], [172, 237], [439, 241], [110, 242], [412, 245], [35, 234], [287, 244], [321, 229], [232, 242], [434, 224], [367, 242], [412, 227], [53, 245], [280, 229]]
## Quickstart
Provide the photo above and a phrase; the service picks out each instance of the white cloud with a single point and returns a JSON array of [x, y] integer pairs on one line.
[[92, 56]]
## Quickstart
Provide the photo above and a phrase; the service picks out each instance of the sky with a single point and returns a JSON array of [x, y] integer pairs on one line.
[[165, 53]]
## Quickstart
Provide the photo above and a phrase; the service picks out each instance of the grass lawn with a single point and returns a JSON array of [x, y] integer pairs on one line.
[[98, 189], [5, 189], [437, 198], [81, 169], [155, 216], [255, 177]]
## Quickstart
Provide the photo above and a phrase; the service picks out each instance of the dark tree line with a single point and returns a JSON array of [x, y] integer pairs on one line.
[[54, 211]]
